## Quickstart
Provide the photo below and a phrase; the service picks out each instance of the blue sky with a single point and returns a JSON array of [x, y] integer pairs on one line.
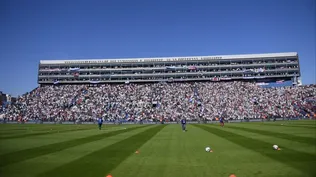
[[61, 29]]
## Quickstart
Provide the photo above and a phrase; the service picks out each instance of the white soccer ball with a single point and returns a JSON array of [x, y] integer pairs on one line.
[[275, 147], [207, 149]]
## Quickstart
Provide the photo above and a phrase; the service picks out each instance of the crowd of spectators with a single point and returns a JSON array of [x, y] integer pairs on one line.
[[162, 101]]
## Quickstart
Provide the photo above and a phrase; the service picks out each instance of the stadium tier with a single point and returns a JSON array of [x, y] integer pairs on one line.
[[272, 67]]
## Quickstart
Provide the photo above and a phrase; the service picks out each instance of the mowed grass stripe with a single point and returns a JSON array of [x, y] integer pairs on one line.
[[12, 145], [290, 126], [50, 161], [102, 161], [18, 156], [296, 146], [300, 139], [44, 133], [308, 122], [173, 153], [156, 155], [44, 128], [13, 129], [298, 131], [298, 160], [24, 129]]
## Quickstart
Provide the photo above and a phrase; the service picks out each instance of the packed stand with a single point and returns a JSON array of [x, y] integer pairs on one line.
[[162, 101]]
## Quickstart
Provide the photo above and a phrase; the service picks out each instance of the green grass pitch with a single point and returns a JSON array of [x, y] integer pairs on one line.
[[243, 149]]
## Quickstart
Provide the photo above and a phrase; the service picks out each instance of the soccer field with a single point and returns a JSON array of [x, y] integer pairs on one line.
[[243, 149]]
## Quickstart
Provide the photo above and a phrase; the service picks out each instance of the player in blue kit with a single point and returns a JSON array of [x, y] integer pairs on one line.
[[100, 122], [183, 123], [221, 121]]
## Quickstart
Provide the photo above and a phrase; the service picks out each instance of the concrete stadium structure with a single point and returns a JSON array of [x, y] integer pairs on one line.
[[270, 67]]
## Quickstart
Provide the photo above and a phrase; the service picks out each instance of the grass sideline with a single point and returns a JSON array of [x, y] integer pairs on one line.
[[243, 149]]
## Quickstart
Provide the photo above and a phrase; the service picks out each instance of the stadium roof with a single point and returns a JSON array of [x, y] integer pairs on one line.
[[214, 57]]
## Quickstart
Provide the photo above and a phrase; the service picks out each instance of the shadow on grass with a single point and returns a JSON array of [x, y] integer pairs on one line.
[[18, 156], [301, 161], [44, 133], [300, 139], [289, 125], [103, 161]]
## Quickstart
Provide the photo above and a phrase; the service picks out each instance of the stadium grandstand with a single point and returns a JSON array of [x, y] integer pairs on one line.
[[263, 68], [167, 89]]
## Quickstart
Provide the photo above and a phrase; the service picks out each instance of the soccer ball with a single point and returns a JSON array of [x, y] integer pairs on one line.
[[275, 147], [207, 149]]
